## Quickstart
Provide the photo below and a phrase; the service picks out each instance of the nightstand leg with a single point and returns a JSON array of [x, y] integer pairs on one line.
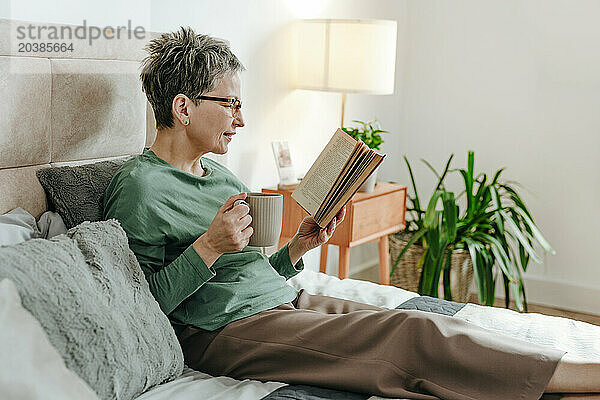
[[323, 262], [344, 263], [384, 260]]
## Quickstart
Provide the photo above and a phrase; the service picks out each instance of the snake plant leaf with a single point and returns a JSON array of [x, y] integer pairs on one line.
[[482, 188], [421, 261], [471, 163], [522, 252], [431, 168], [433, 235], [426, 272], [523, 257], [477, 220], [430, 215], [450, 215], [447, 268], [536, 232], [468, 190], [520, 237], [524, 297], [439, 266], [491, 284], [516, 199], [444, 173], [417, 203], [516, 290], [432, 268], [506, 291], [429, 265], [516, 271], [498, 203], [470, 172], [498, 252], [496, 176], [473, 248], [487, 260]]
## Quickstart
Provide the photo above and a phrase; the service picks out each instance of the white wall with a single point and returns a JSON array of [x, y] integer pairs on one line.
[[516, 81]]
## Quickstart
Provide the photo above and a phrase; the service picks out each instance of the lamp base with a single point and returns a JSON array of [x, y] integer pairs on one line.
[[343, 108]]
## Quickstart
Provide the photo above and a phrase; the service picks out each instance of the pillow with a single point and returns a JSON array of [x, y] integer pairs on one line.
[[89, 294], [76, 192], [51, 224], [30, 368], [17, 226]]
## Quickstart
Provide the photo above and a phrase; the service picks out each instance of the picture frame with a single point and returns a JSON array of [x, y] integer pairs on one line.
[[283, 161]]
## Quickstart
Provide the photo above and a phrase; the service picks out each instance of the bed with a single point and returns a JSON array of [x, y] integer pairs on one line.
[[86, 106]]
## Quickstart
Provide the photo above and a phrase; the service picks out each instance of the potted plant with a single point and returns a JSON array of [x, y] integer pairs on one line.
[[495, 228], [369, 133]]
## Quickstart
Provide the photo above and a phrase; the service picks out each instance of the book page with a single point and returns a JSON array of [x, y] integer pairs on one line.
[[319, 179], [341, 183], [341, 176], [352, 189], [352, 175]]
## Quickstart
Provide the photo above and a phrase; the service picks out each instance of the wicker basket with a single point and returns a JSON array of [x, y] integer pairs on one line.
[[407, 275]]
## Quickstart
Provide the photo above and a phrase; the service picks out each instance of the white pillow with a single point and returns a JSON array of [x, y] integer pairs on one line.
[[30, 367], [17, 226]]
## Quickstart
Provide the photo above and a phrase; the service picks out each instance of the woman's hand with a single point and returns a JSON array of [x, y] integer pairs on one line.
[[311, 235], [229, 231]]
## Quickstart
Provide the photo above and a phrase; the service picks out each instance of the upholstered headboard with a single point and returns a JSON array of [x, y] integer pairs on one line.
[[65, 108]]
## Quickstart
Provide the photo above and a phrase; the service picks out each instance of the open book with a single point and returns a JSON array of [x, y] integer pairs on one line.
[[341, 168]]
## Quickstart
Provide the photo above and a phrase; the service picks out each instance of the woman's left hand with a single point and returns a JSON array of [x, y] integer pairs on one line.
[[311, 235]]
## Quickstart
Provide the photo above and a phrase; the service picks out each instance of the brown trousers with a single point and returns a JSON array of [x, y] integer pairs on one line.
[[340, 344]]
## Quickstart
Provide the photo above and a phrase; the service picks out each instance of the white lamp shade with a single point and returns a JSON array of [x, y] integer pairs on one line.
[[348, 56]]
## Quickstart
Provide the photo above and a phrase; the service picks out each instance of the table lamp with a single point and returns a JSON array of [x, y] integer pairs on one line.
[[347, 56]]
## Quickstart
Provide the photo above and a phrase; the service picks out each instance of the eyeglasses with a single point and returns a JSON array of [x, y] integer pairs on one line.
[[234, 103]]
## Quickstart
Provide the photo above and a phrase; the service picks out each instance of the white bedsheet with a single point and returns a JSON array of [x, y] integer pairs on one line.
[[575, 337], [351, 289], [195, 385]]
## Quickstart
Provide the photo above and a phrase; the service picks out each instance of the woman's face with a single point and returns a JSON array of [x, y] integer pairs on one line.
[[212, 126]]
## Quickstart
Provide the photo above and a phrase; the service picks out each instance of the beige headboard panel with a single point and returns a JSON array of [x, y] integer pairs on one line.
[[67, 108]]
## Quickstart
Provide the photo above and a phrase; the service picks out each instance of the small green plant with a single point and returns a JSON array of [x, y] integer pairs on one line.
[[368, 132], [496, 228]]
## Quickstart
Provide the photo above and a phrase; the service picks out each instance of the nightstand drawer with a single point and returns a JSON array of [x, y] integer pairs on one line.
[[377, 214]]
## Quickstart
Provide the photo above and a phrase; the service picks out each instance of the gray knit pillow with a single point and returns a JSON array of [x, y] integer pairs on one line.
[[88, 292], [76, 192]]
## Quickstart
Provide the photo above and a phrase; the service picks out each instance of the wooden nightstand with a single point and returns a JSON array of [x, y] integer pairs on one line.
[[369, 216]]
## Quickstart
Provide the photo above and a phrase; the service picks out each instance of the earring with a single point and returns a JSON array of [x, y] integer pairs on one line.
[[186, 122]]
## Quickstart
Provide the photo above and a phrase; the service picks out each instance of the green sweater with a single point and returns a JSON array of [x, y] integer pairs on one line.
[[163, 210]]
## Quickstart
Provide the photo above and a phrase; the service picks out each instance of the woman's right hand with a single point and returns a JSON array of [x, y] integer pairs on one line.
[[229, 231]]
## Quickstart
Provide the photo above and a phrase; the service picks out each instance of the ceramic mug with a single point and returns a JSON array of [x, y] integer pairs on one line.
[[266, 210]]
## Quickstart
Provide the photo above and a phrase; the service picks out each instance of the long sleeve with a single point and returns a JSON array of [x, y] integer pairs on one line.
[[176, 281], [171, 278], [280, 261], [164, 210]]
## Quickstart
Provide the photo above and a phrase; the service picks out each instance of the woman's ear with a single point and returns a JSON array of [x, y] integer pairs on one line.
[[180, 109]]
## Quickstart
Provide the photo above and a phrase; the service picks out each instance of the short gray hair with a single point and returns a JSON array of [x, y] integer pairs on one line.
[[183, 62]]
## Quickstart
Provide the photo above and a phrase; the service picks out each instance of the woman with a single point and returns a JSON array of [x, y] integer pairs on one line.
[[230, 306]]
